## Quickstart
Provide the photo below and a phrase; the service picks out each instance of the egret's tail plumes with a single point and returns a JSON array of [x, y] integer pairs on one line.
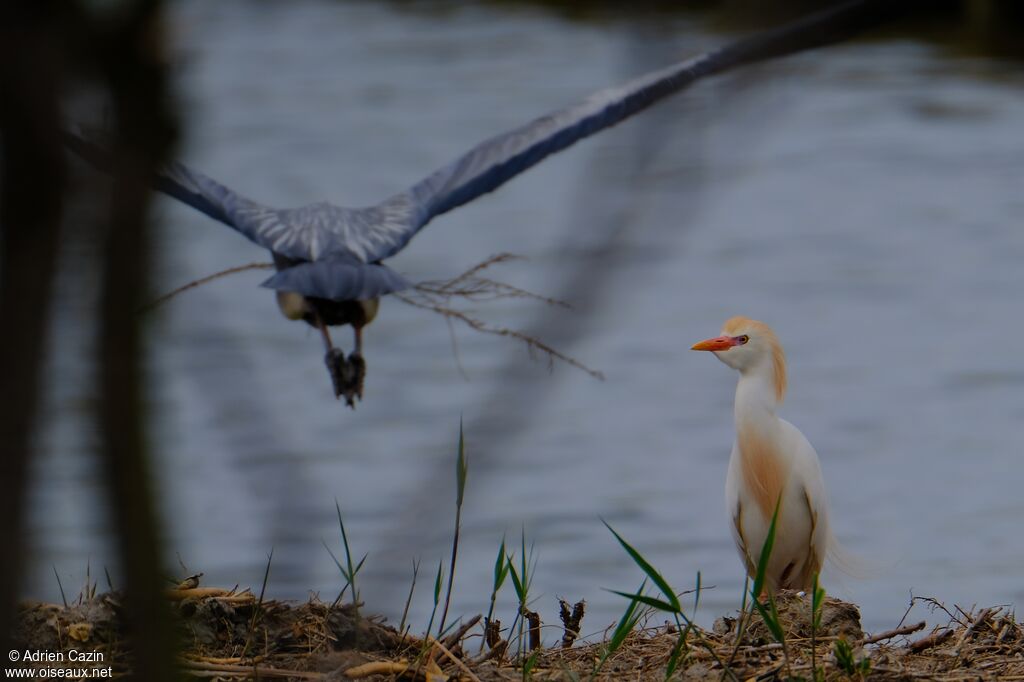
[[841, 560]]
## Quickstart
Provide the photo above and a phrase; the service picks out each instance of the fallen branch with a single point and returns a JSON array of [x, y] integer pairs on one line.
[[453, 639], [176, 594], [453, 658], [397, 668], [930, 641], [889, 634], [249, 670], [982, 616]]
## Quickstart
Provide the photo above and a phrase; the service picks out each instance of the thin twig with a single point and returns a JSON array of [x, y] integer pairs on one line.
[[479, 267], [480, 326], [201, 281]]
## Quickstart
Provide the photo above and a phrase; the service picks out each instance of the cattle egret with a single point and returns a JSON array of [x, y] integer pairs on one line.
[[771, 463]]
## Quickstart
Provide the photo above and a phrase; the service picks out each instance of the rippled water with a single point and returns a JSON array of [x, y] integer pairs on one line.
[[864, 200]]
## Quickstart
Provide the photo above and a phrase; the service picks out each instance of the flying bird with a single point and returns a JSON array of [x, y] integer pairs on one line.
[[772, 463], [329, 259]]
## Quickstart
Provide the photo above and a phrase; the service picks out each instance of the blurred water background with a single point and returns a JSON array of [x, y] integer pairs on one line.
[[864, 200]]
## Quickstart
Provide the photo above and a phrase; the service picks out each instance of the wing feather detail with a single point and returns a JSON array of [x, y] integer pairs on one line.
[[323, 230], [495, 161]]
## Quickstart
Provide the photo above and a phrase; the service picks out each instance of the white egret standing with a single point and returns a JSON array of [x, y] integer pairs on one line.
[[771, 463]]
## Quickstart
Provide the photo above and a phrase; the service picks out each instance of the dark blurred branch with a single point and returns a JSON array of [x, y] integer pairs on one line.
[[32, 177], [36, 41], [132, 64]]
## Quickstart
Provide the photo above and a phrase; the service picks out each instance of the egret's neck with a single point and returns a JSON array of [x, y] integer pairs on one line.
[[756, 401], [763, 464]]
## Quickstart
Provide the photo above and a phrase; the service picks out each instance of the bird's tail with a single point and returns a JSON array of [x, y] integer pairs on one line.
[[850, 564]]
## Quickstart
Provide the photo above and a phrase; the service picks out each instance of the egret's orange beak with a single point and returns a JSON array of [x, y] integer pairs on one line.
[[717, 343]]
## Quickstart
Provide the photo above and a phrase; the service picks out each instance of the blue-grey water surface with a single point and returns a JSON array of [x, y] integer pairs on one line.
[[864, 200]]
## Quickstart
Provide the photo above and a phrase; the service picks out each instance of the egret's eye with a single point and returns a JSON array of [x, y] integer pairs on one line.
[[742, 339]]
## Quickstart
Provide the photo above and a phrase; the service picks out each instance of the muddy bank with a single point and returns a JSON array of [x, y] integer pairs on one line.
[[228, 634]]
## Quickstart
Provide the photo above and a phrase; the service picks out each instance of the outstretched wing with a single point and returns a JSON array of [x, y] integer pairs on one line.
[[492, 163], [304, 233], [371, 234]]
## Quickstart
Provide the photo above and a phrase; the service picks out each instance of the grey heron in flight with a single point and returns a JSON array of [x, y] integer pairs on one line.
[[330, 259]]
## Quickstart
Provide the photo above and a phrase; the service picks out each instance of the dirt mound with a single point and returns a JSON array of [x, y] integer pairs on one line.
[[227, 634]]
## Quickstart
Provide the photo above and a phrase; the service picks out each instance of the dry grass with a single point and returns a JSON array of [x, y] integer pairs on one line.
[[317, 641]]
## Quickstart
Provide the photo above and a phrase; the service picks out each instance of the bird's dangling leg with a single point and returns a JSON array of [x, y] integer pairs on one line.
[[337, 366], [358, 365]]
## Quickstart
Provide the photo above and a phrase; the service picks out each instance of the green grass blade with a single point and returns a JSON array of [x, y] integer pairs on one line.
[[696, 597], [630, 617], [461, 468], [659, 604], [344, 535], [676, 656], [627, 622], [500, 566], [517, 584], [844, 656], [525, 570], [817, 601], [437, 582], [651, 572], [408, 600], [766, 552], [59, 585], [771, 621]]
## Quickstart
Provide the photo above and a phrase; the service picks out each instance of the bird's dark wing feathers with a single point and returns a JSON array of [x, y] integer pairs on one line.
[[341, 278], [305, 233], [492, 163], [323, 230]]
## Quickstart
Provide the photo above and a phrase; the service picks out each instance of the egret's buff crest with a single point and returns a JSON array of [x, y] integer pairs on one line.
[[744, 325]]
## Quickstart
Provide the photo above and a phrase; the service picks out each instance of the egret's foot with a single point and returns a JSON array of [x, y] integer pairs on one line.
[[339, 369], [358, 365]]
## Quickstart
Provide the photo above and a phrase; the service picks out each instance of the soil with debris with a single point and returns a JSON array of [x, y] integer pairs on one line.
[[232, 635]]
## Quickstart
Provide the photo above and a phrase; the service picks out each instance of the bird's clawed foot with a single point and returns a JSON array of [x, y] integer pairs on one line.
[[358, 365], [337, 367], [347, 375]]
